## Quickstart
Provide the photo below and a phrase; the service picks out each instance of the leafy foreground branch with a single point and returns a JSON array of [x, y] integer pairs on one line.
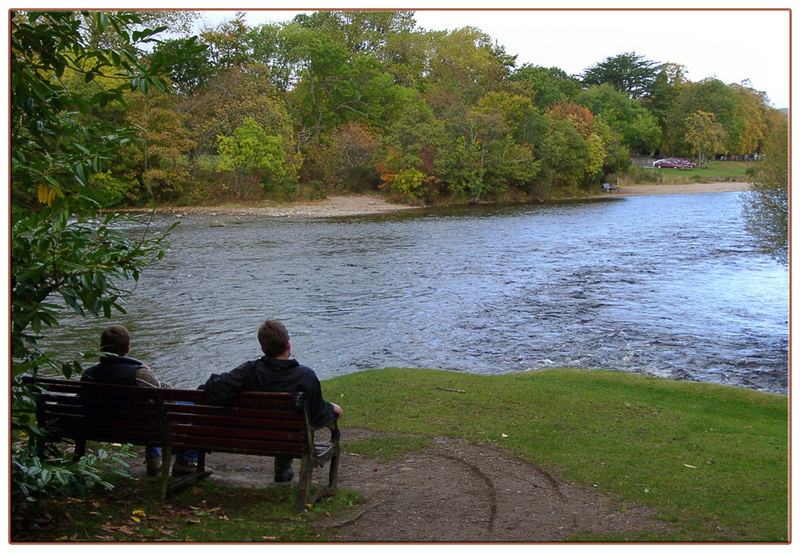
[[64, 251], [712, 460]]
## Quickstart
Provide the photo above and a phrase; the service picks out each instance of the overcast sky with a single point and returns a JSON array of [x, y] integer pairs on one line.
[[731, 45]]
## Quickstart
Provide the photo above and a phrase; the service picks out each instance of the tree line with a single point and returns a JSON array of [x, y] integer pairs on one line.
[[356, 101]]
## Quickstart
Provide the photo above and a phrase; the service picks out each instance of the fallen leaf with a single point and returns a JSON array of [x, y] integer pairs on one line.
[[137, 520], [689, 466], [504, 435]]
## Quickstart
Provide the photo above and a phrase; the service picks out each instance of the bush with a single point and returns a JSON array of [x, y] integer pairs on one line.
[[34, 477]]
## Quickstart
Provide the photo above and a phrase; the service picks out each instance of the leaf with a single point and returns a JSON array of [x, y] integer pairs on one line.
[[689, 466]]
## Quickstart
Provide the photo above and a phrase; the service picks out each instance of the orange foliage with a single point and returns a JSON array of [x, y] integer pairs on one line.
[[579, 116]]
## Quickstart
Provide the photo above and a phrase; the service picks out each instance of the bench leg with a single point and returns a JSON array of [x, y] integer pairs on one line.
[[166, 458], [304, 484], [333, 475]]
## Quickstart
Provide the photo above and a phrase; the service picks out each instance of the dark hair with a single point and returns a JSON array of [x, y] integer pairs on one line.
[[273, 337], [115, 339]]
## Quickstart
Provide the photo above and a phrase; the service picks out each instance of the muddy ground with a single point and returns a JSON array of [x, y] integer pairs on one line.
[[455, 492]]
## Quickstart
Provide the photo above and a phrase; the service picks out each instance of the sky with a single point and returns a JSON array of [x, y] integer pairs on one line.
[[732, 45]]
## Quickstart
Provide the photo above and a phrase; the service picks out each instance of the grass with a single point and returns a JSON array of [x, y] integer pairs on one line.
[[711, 459], [713, 171]]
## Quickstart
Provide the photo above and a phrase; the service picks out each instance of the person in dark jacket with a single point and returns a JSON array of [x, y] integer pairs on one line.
[[274, 372], [116, 368]]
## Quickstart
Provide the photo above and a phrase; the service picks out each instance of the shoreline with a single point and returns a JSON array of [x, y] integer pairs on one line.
[[355, 205], [694, 188]]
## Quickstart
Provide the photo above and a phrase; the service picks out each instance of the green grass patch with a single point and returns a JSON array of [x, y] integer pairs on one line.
[[388, 447], [711, 459], [713, 171]]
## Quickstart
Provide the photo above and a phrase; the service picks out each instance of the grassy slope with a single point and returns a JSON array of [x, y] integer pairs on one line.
[[712, 459]]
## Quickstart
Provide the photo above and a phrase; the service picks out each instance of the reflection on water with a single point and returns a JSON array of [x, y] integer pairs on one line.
[[663, 285]]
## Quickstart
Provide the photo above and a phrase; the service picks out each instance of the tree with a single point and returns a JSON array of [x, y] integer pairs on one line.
[[251, 150], [663, 90], [349, 156], [626, 72], [638, 128], [750, 119], [61, 245], [222, 103], [544, 86], [705, 133], [465, 64], [155, 160], [710, 96], [766, 207]]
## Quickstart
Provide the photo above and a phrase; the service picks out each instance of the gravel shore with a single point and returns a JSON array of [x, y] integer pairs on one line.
[[342, 206]]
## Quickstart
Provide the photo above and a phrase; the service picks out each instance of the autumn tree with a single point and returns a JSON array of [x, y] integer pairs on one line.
[[749, 119], [154, 164], [582, 121], [766, 206], [348, 157], [705, 133]]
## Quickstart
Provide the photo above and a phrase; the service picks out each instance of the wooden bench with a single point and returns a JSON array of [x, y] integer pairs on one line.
[[257, 423], [607, 187]]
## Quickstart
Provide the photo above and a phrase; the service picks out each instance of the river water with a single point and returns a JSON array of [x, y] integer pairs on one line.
[[664, 285]]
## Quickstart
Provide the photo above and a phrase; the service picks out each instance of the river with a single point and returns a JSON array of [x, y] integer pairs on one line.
[[663, 285]]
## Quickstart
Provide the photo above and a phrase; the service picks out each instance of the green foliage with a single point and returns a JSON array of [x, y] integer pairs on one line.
[[626, 116], [545, 87], [628, 73], [711, 459], [251, 149], [63, 250], [409, 183], [35, 477]]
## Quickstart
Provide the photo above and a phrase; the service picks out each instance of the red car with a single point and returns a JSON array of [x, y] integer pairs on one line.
[[673, 163], [667, 163]]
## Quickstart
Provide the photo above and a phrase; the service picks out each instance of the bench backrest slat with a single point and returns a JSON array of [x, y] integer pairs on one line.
[[264, 423]]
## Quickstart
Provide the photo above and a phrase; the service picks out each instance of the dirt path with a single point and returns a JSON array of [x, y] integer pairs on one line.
[[455, 492]]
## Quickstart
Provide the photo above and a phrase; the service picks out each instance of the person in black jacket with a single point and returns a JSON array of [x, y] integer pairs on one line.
[[115, 368], [274, 372]]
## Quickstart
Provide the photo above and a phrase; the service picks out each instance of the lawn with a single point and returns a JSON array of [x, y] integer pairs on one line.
[[712, 460]]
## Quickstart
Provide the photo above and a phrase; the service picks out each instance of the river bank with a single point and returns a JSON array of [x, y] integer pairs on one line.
[[344, 206]]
